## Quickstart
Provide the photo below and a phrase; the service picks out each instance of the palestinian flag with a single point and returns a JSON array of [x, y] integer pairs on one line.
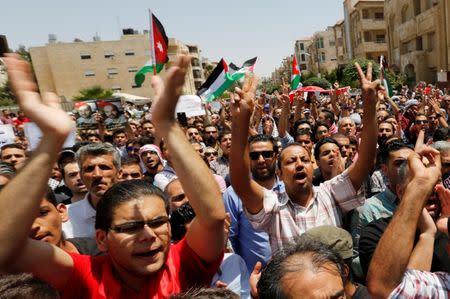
[[159, 44], [384, 80], [222, 78], [295, 76]]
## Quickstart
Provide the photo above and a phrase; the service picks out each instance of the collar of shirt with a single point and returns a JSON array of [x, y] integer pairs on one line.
[[88, 209]]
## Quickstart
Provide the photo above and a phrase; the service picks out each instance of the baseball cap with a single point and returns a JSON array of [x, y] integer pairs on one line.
[[337, 238]]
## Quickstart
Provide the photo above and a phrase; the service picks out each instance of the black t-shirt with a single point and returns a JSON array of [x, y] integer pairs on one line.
[[87, 246]]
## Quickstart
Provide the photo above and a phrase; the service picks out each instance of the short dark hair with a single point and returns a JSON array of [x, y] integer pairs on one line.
[[206, 293], [391, 146], [301, 121], [285, 148], [441, 134], [124, 192], [12, 145], [146, 140], [223, 133], [263, 138], [24, 285], [129, 161], [328, 114], [301, 132], [119, 131], [313, 254], [322, 142]]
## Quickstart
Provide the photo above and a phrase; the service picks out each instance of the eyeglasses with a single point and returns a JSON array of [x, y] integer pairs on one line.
[[208, 154], [421, 121], [265, 154], [133, 227]]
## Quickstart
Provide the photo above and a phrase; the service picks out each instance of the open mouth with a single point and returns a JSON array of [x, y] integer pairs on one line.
[[149, 253], [300, 177]]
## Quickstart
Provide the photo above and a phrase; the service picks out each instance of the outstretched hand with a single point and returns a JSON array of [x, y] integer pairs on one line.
[[167, 92], [243, 101], [369, 88], [45, 111], [425, 164]]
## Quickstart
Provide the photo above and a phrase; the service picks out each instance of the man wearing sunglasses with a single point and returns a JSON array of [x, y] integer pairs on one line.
[[289, 214], [251, 244], [132, 223]]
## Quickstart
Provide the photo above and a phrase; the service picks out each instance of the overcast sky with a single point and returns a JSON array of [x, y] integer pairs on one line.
[[235, 29]]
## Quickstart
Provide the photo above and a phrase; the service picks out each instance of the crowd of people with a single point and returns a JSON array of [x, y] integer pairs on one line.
[[273, 196]]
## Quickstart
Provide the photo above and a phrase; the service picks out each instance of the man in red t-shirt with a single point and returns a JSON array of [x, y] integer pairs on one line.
[[132, 219]]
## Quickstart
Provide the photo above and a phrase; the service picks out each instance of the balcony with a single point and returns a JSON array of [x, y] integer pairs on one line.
[[372, 24], [374, 47], [407, 30]]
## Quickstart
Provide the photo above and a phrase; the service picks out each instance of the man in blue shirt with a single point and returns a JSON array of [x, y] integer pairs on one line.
[[253, 245]]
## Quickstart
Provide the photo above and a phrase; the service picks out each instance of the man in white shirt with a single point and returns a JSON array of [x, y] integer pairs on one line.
[[99, 168]]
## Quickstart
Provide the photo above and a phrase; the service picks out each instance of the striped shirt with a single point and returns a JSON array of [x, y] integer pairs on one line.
[[423, 285], [283, 219]]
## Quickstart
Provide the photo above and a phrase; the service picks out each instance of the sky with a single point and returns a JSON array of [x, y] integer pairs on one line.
[[236, 30]]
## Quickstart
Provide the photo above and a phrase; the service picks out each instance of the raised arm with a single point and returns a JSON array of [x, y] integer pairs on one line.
[[393, 252], [283, 124], [21, 198], [367, 150], [248, 190], [206, 234]]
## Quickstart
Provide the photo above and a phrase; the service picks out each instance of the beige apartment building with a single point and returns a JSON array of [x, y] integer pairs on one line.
[[322, 51], [365, 29], [419, 37], [65, 68], [301, 53], [340, 45]]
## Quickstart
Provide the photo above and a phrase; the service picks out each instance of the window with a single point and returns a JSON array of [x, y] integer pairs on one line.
[[302, 57], [197, 74], [89, 73], [132, 69], [302, 47], [112, 71], [303, 67], [193, 49], [380, 39], [321, 57], [195, 62], [367, 36], [129, 53], [417, 8], [319, 43], [332, 43], [379, 16], [431, 37], [419, 43], [365, 13], [116, 88], [109, 55], [85, 56]]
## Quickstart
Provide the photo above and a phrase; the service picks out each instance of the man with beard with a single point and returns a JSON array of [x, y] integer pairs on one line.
[[99, 168], [385, 131], [253, 245], [210, 136], [289, 214], [151, 157]]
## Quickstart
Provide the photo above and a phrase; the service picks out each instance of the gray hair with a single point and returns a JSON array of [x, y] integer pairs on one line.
[[442, 146], [341, 120], [98, 149]]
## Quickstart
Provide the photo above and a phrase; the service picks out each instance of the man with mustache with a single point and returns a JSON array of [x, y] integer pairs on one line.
[[99, 169]]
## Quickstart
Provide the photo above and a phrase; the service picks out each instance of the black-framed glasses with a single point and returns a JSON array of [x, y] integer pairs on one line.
[[208, 154], [265, 154], [133, 227]]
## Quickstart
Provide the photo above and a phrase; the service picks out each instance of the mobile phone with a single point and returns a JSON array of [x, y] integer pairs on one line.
[[182, 119], [3, 45]]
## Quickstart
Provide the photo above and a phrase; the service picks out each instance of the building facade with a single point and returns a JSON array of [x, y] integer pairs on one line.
[[301, 53], [419, 37], [322, 51], [365, 29], [340, 45], [65, 68]]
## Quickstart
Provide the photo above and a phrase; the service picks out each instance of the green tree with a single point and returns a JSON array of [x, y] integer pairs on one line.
[[22, 51], [7, 98], [397, 80], [350, 74], [314, 81], [93, 93]]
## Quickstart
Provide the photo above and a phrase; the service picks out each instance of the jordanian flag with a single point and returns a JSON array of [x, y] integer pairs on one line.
[[222, 78], [295, 77], [159, 44], [384, 80]]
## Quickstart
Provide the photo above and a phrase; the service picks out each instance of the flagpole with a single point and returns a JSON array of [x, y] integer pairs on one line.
[[382, 71], [152, 42]]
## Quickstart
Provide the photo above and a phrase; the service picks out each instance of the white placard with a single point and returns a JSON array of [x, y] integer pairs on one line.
[[6, 135], [191, 105], [34, 135]]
